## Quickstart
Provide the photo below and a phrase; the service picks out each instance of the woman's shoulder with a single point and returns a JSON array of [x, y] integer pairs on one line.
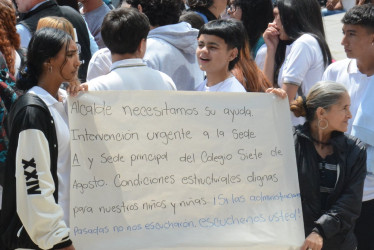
[[301, 131], [308, 44], [307, 39], [29, 102], [349, 145], [354, 142], [28, 112]]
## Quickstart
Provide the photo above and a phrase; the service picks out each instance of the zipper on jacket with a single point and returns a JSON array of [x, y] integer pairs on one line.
[[337, 174], [19, 232]]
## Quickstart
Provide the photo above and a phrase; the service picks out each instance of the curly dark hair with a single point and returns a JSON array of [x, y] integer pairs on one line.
[[196, 4], [360, 15], [9, 38], [159, 12]]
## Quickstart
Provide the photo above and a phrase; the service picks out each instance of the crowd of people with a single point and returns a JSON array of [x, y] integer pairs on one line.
[[278, 47]]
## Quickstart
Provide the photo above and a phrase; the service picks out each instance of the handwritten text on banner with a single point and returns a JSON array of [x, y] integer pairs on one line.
[[183, 170]]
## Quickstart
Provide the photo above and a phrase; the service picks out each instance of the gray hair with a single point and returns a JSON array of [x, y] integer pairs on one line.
[[323, 94]]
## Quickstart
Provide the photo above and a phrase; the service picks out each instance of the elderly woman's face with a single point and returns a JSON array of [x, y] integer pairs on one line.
[[339, 114]]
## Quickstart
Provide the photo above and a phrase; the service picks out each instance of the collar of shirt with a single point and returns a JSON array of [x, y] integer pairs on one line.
[[352, 67], [46, 97], [126, 63]]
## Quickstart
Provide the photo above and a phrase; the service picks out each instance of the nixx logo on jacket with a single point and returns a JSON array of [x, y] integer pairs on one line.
[[31, 175]]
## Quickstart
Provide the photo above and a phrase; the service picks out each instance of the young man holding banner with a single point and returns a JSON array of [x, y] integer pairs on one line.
[[124, 32]]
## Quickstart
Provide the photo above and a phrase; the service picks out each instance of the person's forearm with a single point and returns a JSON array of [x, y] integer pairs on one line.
[[269, 66], [338, 6]]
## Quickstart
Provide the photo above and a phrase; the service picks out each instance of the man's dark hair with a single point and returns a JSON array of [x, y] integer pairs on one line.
[[192, 18], [196, 4], [361, 15], [123, 29], [159, 12]]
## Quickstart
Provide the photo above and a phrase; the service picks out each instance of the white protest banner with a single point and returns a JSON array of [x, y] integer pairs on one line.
[[183, 170]]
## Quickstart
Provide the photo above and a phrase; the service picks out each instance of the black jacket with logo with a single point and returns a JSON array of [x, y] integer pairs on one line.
[[31, 216], [337, 223]]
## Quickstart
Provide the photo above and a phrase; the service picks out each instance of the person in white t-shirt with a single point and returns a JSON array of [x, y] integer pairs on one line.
[[357, 74], [124, 32], [219, 45], [297, 52]]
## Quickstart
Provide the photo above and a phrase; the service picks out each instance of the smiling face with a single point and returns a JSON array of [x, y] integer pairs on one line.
[[357, 41], [213, 54], [282, 34], [66, 62], [339, 114]]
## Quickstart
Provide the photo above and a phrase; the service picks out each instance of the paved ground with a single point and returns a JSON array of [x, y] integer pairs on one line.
[[334, 35]]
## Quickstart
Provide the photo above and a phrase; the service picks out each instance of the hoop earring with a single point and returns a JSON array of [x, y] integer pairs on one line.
[[50, 69], [323, 120]]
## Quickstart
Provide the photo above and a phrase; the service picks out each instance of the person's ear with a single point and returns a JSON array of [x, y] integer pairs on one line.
[[140, 8], [142, 47], [320, 112], [234, 53], [48, 65]]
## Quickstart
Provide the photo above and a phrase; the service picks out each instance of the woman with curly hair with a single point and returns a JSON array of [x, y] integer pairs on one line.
[[9, 63], [9, 38]]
